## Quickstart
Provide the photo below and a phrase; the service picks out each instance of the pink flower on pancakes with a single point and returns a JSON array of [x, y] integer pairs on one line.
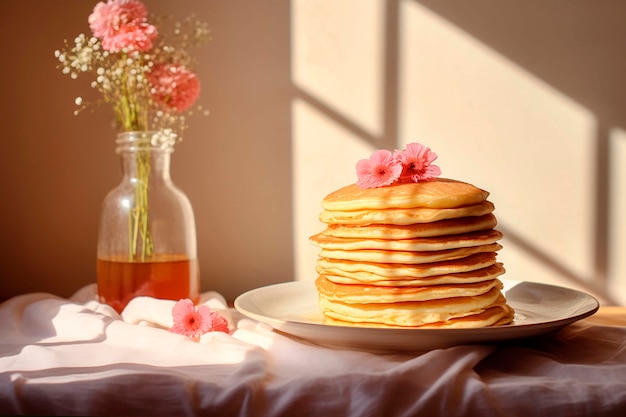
[[379, 170], [416, 162]]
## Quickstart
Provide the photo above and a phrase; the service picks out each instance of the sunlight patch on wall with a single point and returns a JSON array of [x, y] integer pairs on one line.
[[495, 125], [617, 219], [337, 57], [324, 159], [337, 65]]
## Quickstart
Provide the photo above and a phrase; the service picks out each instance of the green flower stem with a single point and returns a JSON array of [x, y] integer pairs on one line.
[[133, 116], [141, 245], [142, 198]]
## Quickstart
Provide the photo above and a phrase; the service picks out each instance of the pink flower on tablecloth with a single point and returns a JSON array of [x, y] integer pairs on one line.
[[122, 24], [174, 86], [416, 162], [194, 321], [379, 170]]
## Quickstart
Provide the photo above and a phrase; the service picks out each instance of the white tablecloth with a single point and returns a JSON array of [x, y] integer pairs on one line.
[[78, 357]]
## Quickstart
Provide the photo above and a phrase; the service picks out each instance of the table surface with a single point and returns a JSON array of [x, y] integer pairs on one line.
[[76, 356]]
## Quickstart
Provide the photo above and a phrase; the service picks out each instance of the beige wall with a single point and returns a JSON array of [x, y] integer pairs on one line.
[[525, 99]]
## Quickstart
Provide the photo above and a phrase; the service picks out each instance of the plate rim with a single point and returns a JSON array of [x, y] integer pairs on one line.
[[473, 335]]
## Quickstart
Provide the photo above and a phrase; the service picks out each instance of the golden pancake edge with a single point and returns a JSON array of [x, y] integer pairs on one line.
[[403, 271], [434, 193], [437, 243], [492, 316], [404, 216], [412, 314], [372, 294], [445, 227], [360, 277]]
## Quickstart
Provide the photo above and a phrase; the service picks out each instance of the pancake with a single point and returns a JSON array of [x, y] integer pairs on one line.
[[371, 294], [480, 275], [405, 257], [414, 251], [492, 316], [352, 269], [414, 313], [418, 230], [435, 193], [403, 216], [326, 241]]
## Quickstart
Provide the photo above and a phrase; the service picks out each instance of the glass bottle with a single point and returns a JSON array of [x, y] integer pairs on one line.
[[147, 235]]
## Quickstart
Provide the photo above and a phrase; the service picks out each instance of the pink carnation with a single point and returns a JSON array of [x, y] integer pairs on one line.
[[174, 86], [122, 24], [416, 162], [379, 170], [193, 322]]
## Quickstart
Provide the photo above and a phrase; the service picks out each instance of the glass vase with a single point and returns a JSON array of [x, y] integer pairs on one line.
[[147, 236]]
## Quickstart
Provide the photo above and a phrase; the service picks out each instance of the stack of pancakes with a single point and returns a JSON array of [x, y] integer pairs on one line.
[[412, 255]]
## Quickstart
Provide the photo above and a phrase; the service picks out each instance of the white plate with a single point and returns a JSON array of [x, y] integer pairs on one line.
[[292, 308]]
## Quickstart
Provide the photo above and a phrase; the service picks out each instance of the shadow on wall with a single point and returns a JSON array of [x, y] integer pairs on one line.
[[576, 48]]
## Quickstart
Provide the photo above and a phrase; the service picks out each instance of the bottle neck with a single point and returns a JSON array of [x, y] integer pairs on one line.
[[145, 156]]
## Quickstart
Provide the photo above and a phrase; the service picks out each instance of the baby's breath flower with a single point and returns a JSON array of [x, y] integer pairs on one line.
[[164, 138]]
